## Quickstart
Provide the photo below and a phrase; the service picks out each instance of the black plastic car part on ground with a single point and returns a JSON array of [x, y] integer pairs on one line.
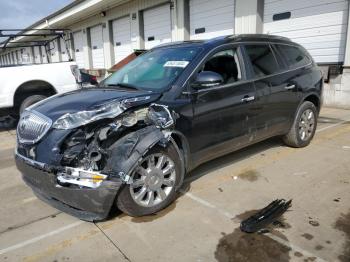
[[265, 216], [131, 141]]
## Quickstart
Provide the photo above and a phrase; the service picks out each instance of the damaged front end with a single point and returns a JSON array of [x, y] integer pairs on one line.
[[79, 165]]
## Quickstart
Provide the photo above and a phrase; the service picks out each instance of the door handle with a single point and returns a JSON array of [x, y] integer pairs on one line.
[[289, 87], [248, 98]]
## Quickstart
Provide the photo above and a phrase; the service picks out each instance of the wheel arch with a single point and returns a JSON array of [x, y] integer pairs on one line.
[[315, 99], [182, 144], [39, 87]]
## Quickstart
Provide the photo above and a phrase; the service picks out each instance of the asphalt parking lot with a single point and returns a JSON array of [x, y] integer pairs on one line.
[[203, 224]]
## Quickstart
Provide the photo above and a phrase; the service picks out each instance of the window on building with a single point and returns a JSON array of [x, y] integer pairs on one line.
[[262, 59], [293, 55]]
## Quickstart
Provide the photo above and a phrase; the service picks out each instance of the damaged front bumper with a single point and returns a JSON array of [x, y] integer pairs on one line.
[[90, 204]]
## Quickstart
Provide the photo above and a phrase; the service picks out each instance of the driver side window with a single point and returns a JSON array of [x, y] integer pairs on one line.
[[226, 64]]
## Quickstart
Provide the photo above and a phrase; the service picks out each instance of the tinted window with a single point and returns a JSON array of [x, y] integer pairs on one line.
[[226, 64], [293, 55], [262, 59], [155, 69]]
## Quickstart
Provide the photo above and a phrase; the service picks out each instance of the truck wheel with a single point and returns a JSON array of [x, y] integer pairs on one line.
[[304, 126], [30, 100], [154, 182]]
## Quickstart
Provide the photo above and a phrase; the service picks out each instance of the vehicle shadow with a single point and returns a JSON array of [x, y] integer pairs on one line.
[[231, 158], [328, 120], [203, 170], [8, 123]]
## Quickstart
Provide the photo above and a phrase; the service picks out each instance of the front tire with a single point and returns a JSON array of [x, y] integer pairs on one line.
[[155, 180], [304, 126], [30, 100]]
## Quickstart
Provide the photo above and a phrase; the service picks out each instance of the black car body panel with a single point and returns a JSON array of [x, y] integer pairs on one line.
[[208, 122], [56, 106]]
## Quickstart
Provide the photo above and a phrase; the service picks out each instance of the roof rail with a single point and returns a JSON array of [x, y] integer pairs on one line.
[[262, 36]]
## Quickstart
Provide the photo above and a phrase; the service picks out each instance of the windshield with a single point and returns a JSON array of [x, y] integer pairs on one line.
[[154, 70]]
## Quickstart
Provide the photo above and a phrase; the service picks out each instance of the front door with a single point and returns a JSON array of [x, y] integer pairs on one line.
[[223, 115]]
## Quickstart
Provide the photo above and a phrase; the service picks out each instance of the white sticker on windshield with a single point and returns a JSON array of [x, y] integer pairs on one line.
[[182, 64]]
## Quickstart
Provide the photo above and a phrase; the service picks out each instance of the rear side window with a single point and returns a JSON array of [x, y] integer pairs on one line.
[[262, 59], [293, 55]]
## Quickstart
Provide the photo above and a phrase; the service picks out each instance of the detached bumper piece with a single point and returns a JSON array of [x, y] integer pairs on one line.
[[90, 204], [265, 216]]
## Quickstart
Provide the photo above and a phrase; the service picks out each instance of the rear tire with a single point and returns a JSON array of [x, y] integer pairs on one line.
[[127, 200], [30, 100], [304, 126]]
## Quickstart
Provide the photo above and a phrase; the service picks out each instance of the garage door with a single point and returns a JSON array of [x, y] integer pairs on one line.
[[78, 49], [98, 60], [121, 38], [26, 56], [43, 54], [157, 25], [319, 25], [14, 58], [64, 54], [37, 58], [54, 51], [210, 19]]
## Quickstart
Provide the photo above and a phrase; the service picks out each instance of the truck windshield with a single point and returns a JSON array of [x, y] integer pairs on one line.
[[154, 70]]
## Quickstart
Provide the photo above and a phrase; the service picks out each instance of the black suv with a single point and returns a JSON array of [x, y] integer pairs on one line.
[[131, 141]]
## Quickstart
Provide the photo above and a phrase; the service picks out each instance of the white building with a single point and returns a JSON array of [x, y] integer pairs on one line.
[[105, 31]]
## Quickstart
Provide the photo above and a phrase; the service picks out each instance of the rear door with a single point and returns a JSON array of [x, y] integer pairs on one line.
[[275, 92], [264, 73], [297, 75], [223, 115]]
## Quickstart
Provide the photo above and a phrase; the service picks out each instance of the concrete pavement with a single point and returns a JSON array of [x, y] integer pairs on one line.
[[203, 223]]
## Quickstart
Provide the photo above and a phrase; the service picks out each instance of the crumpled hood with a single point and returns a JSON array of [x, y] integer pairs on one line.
[[86, 99]]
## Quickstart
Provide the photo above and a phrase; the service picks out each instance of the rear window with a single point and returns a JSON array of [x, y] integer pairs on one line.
[[294, 56], [262, 59]]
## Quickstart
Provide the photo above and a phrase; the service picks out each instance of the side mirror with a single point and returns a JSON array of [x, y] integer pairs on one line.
[[207, 79]]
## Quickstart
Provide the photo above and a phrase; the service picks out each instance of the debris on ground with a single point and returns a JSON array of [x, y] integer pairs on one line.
[[265, 216], [240, 247], [314, 223]]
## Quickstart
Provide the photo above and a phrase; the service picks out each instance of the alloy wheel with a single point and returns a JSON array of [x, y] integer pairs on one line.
[[306, 125], [153, 180]]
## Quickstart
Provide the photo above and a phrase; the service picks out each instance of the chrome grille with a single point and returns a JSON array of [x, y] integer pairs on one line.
[[32, 126]]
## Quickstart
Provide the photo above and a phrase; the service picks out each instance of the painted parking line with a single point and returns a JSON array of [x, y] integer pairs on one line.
[[331, 126], [205, 203], [40, 237]]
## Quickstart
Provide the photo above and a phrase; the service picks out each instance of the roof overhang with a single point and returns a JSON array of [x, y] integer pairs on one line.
[[73, 13]]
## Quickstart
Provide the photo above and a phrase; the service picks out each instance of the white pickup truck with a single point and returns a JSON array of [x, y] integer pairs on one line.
[[24, 85]]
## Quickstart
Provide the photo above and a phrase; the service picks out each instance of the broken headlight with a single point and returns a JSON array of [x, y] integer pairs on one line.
[[160, 116], [131, 118], [73, 120], [81, 177]]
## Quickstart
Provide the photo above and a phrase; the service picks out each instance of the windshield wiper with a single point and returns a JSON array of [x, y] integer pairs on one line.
[[122, 85]]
